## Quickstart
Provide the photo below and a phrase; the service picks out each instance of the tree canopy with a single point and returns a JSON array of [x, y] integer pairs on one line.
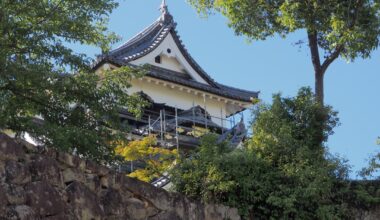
[[155, 160], [373, 168], [50, 91], [283, 172], [349, 29]]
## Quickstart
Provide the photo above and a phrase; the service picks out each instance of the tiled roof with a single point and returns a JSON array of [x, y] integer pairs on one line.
[[221, 90], [149, 39]]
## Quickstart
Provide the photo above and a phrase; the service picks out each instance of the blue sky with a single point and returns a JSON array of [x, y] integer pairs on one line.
[[271, 66]]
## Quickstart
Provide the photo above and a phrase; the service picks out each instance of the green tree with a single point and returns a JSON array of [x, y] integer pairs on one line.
[[79, 111], [157, 160], [349, 29], [198, 176], [373, 167], [284, 172]]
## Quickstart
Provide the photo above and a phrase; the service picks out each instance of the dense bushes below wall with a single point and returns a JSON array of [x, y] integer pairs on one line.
[[37, 183]]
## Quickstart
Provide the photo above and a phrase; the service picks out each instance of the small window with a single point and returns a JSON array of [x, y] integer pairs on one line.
[[157, 59], [169, 50]]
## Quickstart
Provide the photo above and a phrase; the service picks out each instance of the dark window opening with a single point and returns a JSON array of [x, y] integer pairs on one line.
[[169, 50], [157, 59]]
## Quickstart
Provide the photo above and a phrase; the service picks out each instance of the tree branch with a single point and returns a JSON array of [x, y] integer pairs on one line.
[[331, 58], [340, 47], [18, 92]]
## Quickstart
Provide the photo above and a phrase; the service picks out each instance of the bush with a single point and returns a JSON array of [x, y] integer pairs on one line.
[[283, 172]]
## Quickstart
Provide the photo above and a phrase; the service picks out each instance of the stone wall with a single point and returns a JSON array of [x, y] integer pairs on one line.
[[372, 213], [37, 183]]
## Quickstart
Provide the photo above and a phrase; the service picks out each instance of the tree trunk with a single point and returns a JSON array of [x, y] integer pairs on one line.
[[319, 94], [319, 69]]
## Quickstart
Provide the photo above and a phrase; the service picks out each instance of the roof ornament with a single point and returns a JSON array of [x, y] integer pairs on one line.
[[163, 7], [166, 17]]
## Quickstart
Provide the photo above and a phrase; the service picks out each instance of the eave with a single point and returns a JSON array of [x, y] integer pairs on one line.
[[149, 39]]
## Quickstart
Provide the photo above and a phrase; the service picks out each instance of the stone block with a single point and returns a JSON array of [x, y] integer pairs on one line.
[[20, 212], [3, 202], [83, 202], [92, 181], [165, 215], [48, 152], [9, 149], [91, 167], [102, 170], [158, 197], [107, 181], [113, 203], [15, 195], [17, 173], [215, 212], [2, 172], [125, 194], [71, 161], [44, 199], [119, 182], [47, 169], [70, 174], [136, 209], [28, 147]]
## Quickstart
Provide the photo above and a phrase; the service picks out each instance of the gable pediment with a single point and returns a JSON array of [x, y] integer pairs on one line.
[[160, 46], [171, 58]]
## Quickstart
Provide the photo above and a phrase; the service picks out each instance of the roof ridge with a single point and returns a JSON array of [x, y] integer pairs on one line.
[[164, 31], [137, 36], [150, 38], [203, 73]]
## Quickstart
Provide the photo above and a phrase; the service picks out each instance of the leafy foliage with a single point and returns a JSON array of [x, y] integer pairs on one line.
[[157, 160], [79, 111], [364, 194], [352, 25], [373, 167], [198, 132], [282, 173], [198, 175], [349, 28], [300, 121]]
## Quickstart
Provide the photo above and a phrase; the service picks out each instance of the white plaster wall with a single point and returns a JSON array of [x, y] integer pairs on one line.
[[180, 99], [102, 68], [179, 66], [170, 63]]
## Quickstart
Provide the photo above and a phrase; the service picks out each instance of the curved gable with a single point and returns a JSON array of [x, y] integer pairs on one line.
[[160, 46], [171, 58]]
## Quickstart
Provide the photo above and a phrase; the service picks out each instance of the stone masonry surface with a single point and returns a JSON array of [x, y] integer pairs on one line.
[[43, 183], [40, 183]]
